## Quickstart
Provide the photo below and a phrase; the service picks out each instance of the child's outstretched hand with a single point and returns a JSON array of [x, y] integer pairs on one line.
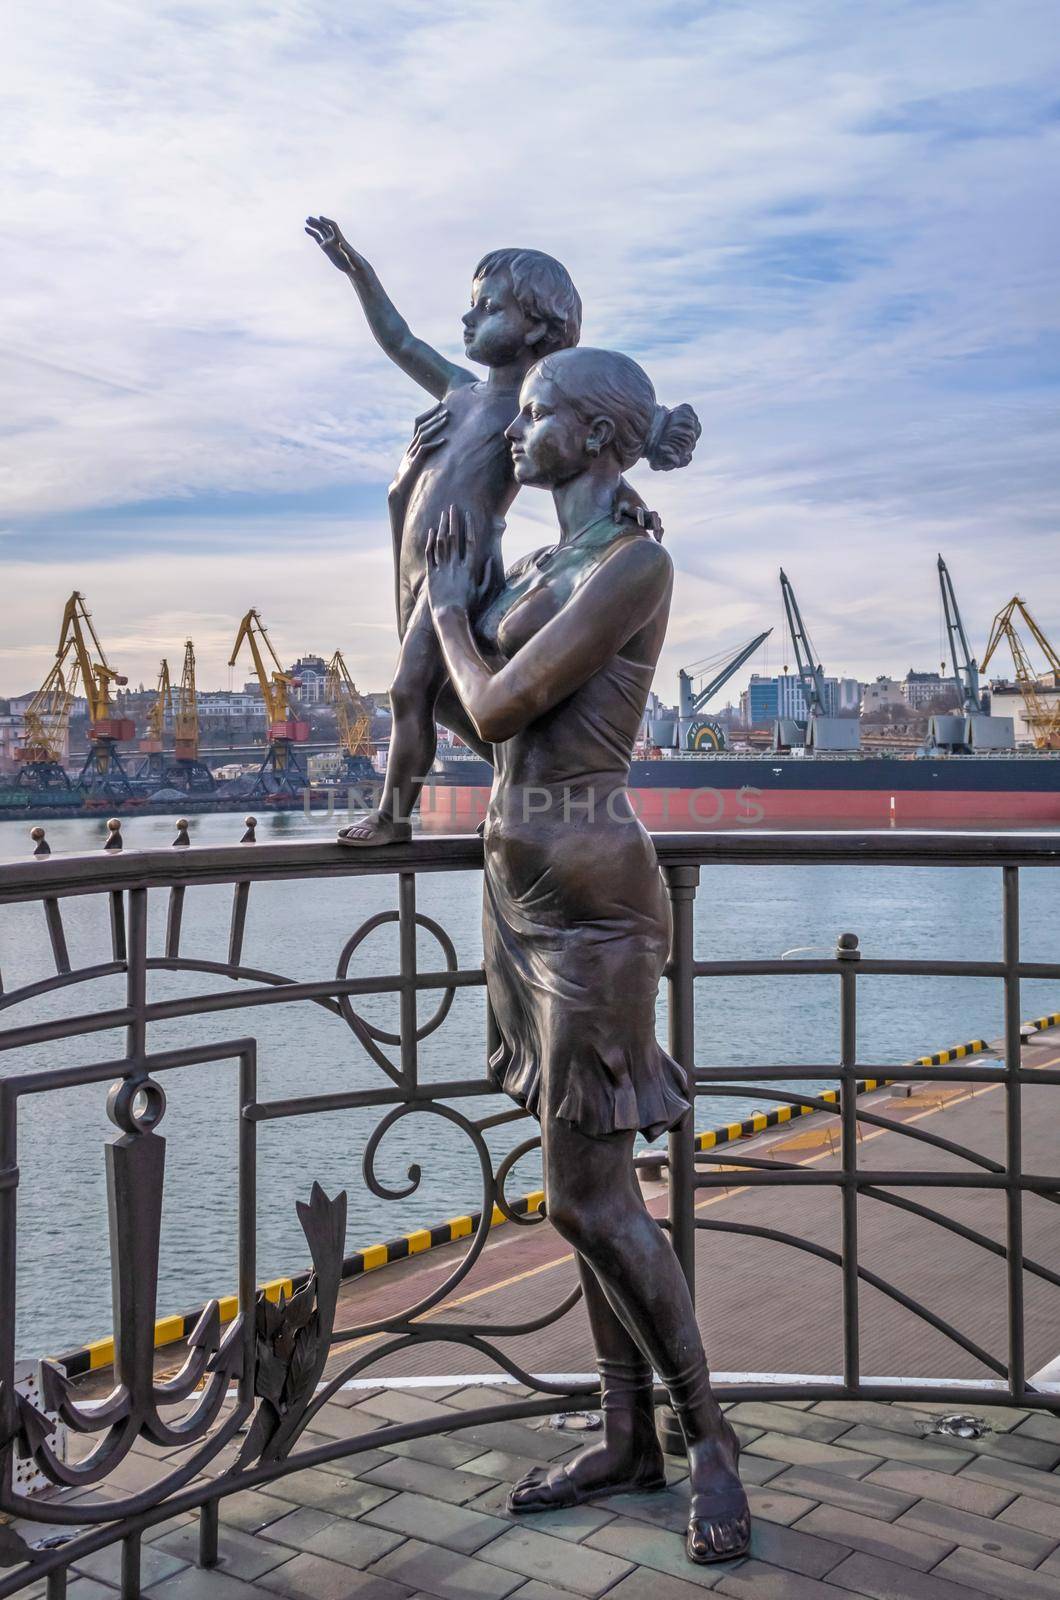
[[338, 250]]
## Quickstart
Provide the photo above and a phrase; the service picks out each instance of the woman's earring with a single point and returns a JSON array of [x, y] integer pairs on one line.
[[592, 449]]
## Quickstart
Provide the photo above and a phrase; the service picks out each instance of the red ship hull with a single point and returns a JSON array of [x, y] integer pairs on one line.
[[459, 808]]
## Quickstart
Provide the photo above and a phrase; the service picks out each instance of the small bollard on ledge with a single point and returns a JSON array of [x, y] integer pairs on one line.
[[115, 842], [250, 823], [42, 847], [182, 832]]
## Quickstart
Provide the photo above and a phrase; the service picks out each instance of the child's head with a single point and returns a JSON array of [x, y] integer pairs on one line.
[[520, 298]]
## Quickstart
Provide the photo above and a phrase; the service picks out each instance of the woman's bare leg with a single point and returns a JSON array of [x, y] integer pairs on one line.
[[595, 1202], [629, 1455]]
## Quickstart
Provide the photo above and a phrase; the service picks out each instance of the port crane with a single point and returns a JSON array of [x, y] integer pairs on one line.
[[820, 731], [78, 656], [151, 745], [190, 773], [103, 775], [352, 719], [45, 727], [693, 734], [973, 728], [1042, 718], [281, 772], [178, 705]]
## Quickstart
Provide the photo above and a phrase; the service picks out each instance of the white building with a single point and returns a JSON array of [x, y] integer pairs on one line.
[[311, 671], [921, 688], [1006, 700], [884, 695]]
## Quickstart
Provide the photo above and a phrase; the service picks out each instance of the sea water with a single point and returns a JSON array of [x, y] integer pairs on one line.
[[297, 930]]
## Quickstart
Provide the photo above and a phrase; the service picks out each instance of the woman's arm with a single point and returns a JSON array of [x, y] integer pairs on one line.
[[613, 604], [423, 364]]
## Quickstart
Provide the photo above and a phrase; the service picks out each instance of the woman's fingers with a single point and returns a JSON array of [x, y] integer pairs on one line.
[[444, 540], [462, 529]]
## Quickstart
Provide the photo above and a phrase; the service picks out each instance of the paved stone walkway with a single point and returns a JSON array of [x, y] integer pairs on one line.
[[848, 1499]]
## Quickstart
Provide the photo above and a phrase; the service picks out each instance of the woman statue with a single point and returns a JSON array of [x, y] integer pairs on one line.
[[576, 920]]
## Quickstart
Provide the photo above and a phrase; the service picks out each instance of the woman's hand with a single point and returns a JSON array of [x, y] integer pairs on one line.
[[452, 557]]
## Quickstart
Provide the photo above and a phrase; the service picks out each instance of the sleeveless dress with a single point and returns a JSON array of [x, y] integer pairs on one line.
[[576, 918]]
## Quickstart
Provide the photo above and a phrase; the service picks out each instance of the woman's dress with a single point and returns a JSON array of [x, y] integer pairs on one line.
[[576, 919]]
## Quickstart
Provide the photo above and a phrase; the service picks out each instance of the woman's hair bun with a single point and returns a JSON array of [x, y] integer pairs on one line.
[[672, 438]]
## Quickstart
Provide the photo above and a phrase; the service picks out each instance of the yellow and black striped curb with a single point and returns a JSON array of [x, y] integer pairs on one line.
[[974, 1047], [760, 1120], [169, 1330]]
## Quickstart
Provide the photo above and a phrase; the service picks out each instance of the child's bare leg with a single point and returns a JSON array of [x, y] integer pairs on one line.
[[413, 741]]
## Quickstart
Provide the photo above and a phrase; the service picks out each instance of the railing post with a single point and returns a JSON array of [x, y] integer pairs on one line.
[[8, 1257], [130, 1567], [208, 1521], [848, 955], [408, 998], [682, 883], [1013, 1131]]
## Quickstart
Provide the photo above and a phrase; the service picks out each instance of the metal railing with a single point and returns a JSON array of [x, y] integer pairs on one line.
[[254, 1389]]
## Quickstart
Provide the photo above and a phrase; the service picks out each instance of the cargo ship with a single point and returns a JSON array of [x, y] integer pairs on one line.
[[688, 790]]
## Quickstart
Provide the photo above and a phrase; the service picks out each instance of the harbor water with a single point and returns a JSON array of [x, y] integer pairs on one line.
[[298, 930]]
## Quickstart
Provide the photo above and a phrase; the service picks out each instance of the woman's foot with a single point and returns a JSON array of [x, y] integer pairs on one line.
[[375, 829], [719, 1523], [630, 1461]]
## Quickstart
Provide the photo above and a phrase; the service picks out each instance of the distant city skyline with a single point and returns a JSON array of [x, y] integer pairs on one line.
[[834, 231]]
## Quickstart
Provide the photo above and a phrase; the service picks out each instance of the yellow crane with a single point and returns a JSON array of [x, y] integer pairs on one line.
[[78, 656], [281, 770], [103, 777], [352, 718], [45, 729], [151, 744], [188, 772], [186, 720], [1042, 718]]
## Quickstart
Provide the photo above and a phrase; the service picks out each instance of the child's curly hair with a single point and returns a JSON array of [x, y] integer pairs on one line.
[[544, 291]]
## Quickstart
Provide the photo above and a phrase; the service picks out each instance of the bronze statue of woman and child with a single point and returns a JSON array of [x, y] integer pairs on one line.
[[545, 670]]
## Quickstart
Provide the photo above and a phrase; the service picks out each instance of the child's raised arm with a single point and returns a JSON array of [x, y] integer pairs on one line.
[[423, 364]]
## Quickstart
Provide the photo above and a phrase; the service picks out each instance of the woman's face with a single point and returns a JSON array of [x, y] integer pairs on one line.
[[547, 439]]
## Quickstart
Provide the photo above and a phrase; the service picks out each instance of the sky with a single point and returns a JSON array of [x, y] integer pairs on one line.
[[833, 228]]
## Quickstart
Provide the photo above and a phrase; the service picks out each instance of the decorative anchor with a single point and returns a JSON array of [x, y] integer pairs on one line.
[[135, 1176]]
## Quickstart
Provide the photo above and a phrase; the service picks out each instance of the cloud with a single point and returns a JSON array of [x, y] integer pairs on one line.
[[833, 230]]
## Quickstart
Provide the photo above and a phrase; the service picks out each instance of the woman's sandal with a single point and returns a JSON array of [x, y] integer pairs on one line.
[[719, 1525], [559, 1491]]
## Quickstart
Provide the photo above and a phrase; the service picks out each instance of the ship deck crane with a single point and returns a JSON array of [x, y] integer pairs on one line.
[[973, 728], [821, 731], [695, 735], [352, 719], [281, 772], [45, 729], [1043, 719], [102, 776], [965, 667]]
